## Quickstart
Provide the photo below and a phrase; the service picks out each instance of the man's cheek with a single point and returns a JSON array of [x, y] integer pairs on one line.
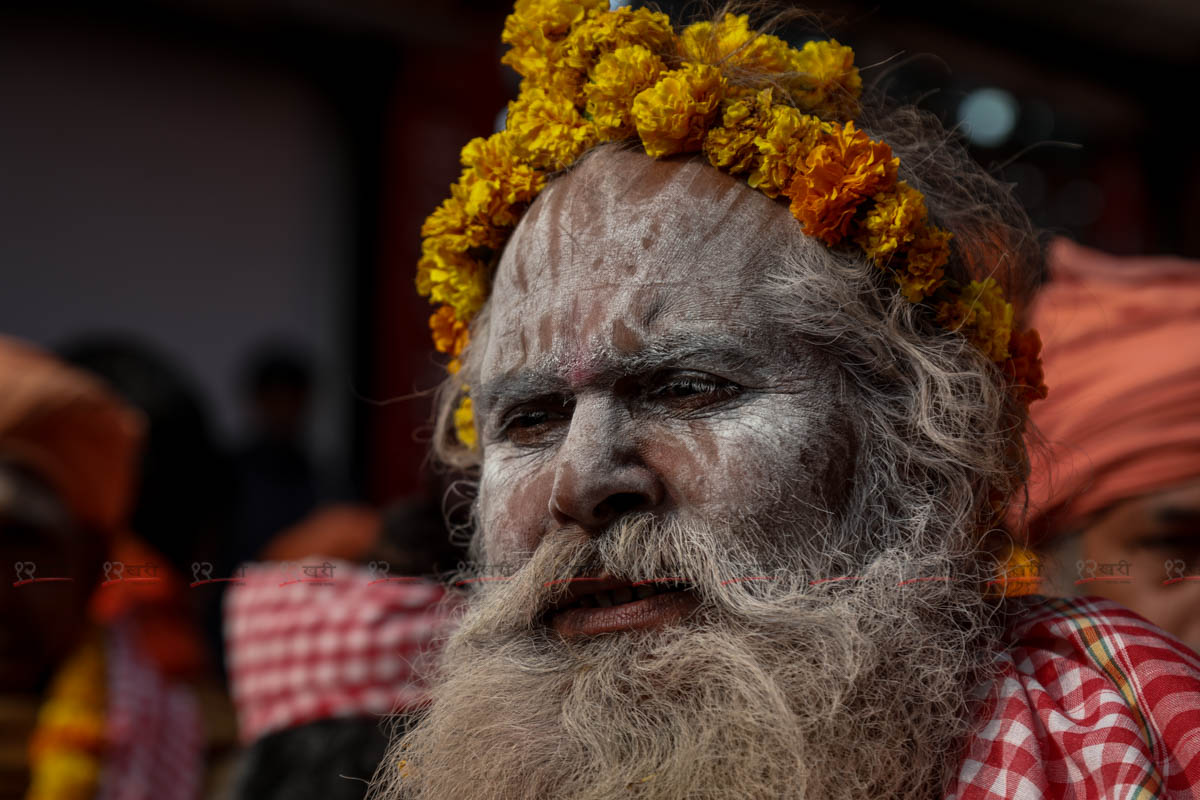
[[515, 511]]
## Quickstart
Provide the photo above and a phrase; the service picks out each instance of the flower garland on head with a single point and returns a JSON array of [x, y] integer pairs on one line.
[[591, 75]]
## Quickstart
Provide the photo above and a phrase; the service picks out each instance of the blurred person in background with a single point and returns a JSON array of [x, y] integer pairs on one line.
[[1114, 496], [183, 507], [278, 483], [316, 669], [87, 692]]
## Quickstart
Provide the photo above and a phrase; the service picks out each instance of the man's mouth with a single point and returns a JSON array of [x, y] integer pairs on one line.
[[593, 606]]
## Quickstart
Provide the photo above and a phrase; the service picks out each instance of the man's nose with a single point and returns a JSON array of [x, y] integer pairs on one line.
[[600, 474]]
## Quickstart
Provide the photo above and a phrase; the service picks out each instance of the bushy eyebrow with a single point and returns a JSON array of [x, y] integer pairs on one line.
[[714, 350]]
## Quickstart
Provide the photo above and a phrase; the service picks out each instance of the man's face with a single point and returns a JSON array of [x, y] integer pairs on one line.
[[631, 366], [645, 416]]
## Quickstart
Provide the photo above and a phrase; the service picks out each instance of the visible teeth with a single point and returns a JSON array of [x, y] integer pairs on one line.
[[603, 599], [643, 591], [622, 594]]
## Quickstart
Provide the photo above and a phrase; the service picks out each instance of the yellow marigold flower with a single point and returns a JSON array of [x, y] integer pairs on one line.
[[891, 223], [827, 82], [464, 422], [447, 275], [571, 63], [732, 42], [450, 220], [623, 27], [537, 29], [617, 78], [922, 272], [835, 177], [730, 146], [498, 183], [549, 132], [673, 115], [1024, 366], [983, 315], [787, 139]]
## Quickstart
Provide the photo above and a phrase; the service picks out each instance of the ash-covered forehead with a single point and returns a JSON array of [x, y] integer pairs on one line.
[[623, 214]]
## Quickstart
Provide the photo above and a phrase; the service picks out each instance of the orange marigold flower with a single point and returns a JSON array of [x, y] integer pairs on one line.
[[673, 115], [921, 273], [1024, 366], [616, 79], [835, 177], [536, 30], [602, 34], [449, 332], [827, 83], [787, 138], [983, 315], [549, 132], [464, 422]]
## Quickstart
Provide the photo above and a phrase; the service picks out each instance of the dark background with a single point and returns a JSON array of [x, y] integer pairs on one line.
[[209, 174]]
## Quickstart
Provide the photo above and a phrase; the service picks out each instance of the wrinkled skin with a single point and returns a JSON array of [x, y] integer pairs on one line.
[[628, 368]]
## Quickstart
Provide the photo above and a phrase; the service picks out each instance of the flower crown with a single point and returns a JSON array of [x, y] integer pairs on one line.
[[594, 75]]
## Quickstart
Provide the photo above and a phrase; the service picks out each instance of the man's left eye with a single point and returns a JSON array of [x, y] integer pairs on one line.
[[691, 390]]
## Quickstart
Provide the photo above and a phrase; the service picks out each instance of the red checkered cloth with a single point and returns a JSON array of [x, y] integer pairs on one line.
[[155, 738], [303, 648], [1093, 702]]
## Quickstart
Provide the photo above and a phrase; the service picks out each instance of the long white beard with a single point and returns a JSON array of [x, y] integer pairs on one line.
[[774, 689]]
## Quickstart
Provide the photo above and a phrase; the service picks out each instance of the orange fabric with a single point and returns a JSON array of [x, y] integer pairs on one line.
[[72, 431], [340, 531], [1122, 359]]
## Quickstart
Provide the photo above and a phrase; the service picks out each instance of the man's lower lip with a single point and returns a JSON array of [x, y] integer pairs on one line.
[[651, 612]]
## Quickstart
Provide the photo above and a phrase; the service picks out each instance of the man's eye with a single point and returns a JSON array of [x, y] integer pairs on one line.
[[692, 390], [531, 426]]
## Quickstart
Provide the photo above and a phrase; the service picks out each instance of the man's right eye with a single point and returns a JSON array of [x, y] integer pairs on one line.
[[531, 426]]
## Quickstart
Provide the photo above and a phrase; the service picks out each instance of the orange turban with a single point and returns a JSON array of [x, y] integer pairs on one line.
[[1122, 358], [69, 429]]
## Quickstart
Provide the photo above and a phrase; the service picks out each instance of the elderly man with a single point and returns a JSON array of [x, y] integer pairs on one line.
[[743, 416]]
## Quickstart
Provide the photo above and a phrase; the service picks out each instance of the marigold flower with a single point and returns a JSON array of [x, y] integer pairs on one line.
[[827, 84], [549, 132], [673, 115], [787, 139], [731, 41], [464, 422], [731, 146], [891, 223], [617, 78], [536, 30], [982, 314], [447, 275], [922, 272], [450, 334], [498, 183], [1024, 366], [835, 177]]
